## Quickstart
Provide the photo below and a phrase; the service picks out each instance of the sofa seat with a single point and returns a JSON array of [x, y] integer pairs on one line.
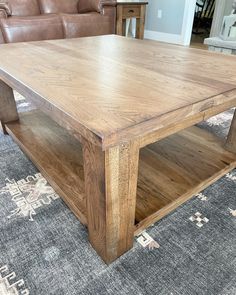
[[88, 24], [32, 28]]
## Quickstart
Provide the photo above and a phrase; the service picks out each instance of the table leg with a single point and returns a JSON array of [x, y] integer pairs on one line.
[[110, 187], [140, 23], [124, 27], [8, 110], [231, 139], [119, 23]]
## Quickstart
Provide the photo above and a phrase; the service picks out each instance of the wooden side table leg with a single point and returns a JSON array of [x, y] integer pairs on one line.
[[110, 187], [124, 27], [119, 22], [231, 139], [140, 23], [8, 110]]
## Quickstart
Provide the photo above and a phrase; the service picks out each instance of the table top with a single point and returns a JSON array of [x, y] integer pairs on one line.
[[111, 84], [127, 2]]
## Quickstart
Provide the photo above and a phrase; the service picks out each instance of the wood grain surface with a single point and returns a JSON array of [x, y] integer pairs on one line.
[[105, 85], [8, 111], [117, 97], [110, 186], [57, 155], [128, 2], [172, 170], [231, 139]]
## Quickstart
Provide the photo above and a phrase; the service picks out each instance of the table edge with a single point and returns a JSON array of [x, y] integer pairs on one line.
[[150, 128]]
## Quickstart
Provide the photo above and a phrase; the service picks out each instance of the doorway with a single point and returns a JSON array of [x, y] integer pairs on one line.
[[202, 24]]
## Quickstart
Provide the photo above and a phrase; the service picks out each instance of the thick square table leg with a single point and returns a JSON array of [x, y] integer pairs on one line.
[[8, 111], [231, 139], [110, 187]]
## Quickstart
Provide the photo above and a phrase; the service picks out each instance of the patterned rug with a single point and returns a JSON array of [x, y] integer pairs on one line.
[[44, 248]]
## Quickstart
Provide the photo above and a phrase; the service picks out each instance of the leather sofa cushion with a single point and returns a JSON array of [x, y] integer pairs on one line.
[[58, 6], [88, 6], [83, 25], [24, 7], [33, 28]]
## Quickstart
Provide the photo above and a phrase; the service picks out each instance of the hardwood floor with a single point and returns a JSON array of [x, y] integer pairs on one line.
[[197, 41]]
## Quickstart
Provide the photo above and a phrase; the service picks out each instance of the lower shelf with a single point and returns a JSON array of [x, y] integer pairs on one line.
[[56, 154], [174, 169], [171, 171]]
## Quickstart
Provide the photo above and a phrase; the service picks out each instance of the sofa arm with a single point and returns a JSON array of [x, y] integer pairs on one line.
[[103, 3], [95, 5], [109, 8], [3, 13], [5, 8]]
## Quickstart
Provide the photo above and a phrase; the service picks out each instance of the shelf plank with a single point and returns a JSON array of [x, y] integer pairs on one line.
[[172, 170], [56, 153]]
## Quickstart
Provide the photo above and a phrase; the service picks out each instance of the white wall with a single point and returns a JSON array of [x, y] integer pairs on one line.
[[228, 7], [173, 27], [172, 16]]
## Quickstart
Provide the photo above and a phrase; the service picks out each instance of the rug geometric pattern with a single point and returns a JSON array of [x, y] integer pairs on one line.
[[44, 248]]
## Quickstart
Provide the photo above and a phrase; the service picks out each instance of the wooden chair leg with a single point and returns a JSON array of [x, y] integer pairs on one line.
[[110, 187]]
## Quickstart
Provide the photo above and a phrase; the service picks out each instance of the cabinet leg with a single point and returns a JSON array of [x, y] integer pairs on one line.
[[124, 27], [140, 23], [110, 187], [119, 23]]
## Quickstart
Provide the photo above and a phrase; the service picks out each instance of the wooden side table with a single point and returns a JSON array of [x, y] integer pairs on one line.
[[131, 9]]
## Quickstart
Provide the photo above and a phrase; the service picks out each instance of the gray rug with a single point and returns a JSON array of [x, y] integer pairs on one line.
[[44, 248]]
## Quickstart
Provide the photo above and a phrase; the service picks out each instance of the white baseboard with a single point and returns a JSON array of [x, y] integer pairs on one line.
[[164, 37]]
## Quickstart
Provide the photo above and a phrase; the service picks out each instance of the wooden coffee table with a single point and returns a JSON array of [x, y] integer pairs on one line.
[[112, 133]]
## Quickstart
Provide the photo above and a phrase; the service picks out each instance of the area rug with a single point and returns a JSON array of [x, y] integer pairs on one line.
[[44, 249]]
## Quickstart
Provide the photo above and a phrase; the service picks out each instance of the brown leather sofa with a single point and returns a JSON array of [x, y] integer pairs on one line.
[[34, 20]]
